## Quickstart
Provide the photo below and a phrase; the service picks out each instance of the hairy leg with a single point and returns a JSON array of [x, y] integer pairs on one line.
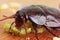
[[50, 31], [34, 27], [11, 25]]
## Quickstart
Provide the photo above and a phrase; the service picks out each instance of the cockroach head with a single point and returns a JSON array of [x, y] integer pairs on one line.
[[20, 13]]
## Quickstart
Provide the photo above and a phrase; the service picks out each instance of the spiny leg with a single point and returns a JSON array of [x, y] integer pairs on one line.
[[56, 28], [50, 31], [34, 26], [11, 25]]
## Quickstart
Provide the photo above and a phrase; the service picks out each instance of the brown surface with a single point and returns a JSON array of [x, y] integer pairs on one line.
[[44, 36]]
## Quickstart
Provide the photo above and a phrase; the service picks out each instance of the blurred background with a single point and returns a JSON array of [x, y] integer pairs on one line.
[[11, 6], [14, 5], [54, 3]]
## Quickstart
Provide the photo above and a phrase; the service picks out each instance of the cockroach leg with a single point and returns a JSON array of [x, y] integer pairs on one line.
[[24, 23], [50, 31], [11, 25], [34, 27]]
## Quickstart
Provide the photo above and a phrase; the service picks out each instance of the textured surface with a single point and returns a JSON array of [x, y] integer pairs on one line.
[[43, 36]]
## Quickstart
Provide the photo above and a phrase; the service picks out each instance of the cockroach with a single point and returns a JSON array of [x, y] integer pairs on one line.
[[38, 15]]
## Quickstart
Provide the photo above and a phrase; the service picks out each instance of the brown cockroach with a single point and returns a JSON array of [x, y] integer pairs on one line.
[[38, 15]]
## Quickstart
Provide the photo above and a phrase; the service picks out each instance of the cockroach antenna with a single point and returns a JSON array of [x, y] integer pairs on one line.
[[12, 16]]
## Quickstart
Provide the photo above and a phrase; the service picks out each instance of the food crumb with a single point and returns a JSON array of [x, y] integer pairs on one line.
[[56, 38], [28, 38]]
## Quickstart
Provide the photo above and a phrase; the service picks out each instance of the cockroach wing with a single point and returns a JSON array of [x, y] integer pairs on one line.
[[52, 21], [52, 24], [50, 18], [40, 20]]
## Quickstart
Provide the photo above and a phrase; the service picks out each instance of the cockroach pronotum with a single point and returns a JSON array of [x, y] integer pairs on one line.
[[38, 15]]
